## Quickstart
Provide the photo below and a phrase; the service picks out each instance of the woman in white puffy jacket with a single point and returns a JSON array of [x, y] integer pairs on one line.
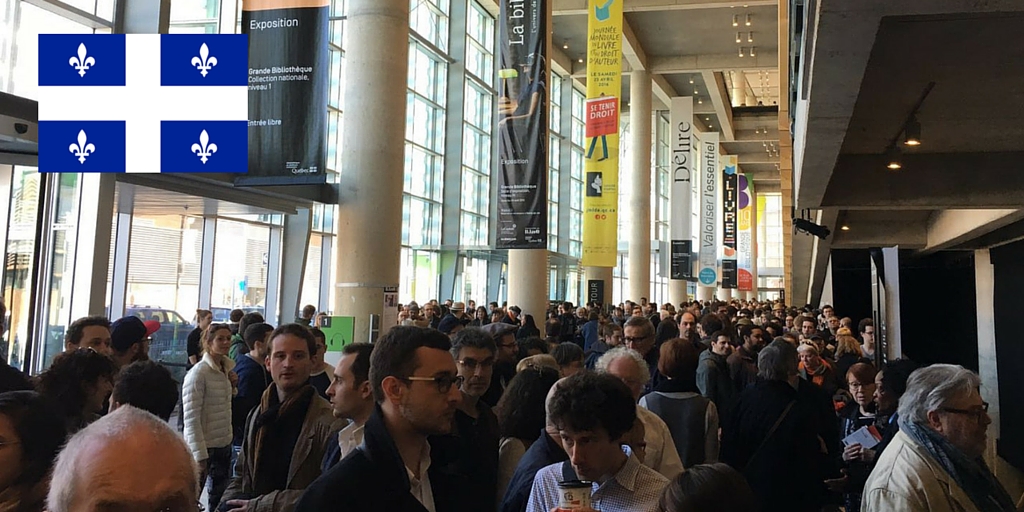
[[206, 396]]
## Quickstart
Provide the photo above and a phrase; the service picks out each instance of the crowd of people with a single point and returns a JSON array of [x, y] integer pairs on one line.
[[704, 406]]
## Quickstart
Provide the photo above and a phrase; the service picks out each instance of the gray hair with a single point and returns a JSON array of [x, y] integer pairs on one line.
[[933, 387], [777, 361], [617, 352], [124, 423]]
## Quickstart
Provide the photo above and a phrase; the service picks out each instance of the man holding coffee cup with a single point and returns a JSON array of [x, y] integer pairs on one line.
[[594, 414]]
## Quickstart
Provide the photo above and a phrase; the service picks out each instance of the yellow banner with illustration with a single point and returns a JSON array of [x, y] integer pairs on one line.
[[601, 162]]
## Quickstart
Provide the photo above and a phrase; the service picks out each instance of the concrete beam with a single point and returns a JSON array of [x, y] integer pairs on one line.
[[933, 181], [632, 50], [578, 7], [949, 228], [716, 62], [715, 83], [864, 235]]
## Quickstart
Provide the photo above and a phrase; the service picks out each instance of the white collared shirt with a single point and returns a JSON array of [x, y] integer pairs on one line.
[[350, 438], [420, 487], [634, 488]]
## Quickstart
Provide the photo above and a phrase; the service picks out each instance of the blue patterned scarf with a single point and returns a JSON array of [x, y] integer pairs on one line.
[[973, 476]]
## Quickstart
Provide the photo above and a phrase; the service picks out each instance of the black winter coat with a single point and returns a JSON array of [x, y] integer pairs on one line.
[[373, 478]]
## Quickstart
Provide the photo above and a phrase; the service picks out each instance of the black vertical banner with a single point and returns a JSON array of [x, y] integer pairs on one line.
[[730, 203], [729, 277], [288, 86], [682, 268], [522, 125]]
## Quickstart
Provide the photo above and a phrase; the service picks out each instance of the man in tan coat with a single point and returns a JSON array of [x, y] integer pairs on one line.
[[287, 435], [935, 462]]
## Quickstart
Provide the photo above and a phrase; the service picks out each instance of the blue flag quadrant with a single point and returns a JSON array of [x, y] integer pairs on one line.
[[202, 60], [81, 60], [82, 146], [204, 146]]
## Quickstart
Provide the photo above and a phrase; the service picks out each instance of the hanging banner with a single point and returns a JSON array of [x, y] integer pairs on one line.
[[682, 187], [709, 176], [601, 165], [745, 237], [288, 85], [523, 125], [730, 189]]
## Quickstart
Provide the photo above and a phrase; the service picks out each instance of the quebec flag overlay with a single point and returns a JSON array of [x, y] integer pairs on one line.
[[144, 103]]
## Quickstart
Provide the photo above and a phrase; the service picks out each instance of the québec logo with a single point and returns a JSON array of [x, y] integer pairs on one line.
[[108, 106]]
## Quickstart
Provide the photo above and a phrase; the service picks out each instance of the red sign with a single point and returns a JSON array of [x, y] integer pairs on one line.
[[602, 116], [746, 280]]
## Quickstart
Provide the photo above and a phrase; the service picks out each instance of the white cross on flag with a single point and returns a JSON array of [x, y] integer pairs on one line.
[[143, 103]]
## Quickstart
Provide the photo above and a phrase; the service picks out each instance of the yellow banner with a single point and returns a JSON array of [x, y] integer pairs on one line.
[[601, 162]]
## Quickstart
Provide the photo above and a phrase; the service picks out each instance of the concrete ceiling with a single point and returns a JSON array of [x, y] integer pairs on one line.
[[690, 48], [866, 66]]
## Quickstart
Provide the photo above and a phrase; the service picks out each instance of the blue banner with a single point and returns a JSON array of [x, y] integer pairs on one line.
[[81, 59], [204, 146], [82, 146]]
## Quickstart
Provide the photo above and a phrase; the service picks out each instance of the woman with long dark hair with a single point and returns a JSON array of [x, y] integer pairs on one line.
[[31, 434], [527, 328], [521, 418], [78, 383]]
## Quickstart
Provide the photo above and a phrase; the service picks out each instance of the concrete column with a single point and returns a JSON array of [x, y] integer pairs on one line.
[[528, 283], [600, 274], [724, 294], [369, 222], [640, 90], [294, 254], [91, 259], [984, 284], [705, 293]]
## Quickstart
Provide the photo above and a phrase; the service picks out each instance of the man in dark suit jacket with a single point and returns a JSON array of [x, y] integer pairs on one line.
[[416, 386]]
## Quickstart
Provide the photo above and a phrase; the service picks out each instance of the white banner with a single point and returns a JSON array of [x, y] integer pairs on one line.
[[681, 206], [709, 179]]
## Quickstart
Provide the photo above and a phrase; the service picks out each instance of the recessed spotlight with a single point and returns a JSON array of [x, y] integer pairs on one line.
[[750, 37], [580, 61], [739, 37], [913, 132], [845, 228], [707, 118], [741, 52], [565, 45], [753, 51], [735, 20], [749, 20], [691, 81]]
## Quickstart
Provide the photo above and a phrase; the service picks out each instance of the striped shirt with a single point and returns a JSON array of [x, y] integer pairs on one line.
[[635, 488]]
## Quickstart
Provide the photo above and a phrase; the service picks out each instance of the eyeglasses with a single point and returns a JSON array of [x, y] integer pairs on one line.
[[444, 382], [977, 413], [472, 364]]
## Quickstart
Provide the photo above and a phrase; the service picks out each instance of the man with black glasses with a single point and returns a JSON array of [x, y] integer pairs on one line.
[[638, 333], [417, 389], [471, 449]]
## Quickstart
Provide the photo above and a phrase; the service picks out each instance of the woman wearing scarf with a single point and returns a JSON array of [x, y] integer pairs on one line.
[[691, 418], [935, 462]]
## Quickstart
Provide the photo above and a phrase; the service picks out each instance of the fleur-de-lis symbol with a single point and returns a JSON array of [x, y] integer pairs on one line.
[[205, 148], [82, 62], [204, 61], [83, 148]]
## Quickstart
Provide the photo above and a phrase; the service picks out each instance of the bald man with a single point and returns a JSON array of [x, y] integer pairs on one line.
[[127, 460]]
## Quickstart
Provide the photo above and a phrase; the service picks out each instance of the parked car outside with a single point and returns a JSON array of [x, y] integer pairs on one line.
[[170, 343]]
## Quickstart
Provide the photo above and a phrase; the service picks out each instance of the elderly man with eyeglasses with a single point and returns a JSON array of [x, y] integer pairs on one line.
[[935, 461], [471, 449], [417, 389]]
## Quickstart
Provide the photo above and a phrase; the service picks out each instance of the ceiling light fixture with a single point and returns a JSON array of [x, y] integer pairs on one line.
[[581, 61], [913, 132], [753, 51], [739, 37], [735, 20], [893, 159], [845, 228], [749, 18], [741, 52], [565, 45], [750, 37], [691, 80], [700, 101]]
